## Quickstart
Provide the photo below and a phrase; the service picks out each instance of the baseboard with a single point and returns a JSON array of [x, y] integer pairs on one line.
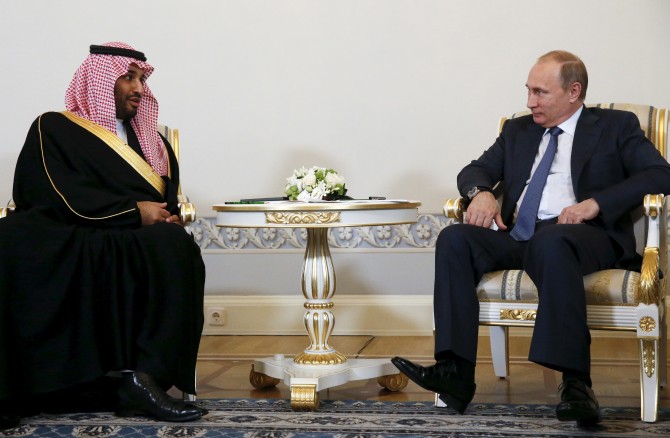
[[377, 315]]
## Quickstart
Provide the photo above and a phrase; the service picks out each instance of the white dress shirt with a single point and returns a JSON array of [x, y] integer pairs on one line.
[[121, 131], [558, 192]]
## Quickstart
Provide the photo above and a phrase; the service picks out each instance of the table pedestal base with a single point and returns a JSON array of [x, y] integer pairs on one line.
[[306, 381]]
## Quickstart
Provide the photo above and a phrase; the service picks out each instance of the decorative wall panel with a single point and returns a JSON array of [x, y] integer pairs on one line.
[[421, 234]]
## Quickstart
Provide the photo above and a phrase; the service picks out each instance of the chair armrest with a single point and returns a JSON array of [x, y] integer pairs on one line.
[[654, 262], [453, 208], [186, 210], [5, 211]]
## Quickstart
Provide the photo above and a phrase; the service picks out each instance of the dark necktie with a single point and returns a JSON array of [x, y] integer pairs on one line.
[[527, 215], [133, 141]]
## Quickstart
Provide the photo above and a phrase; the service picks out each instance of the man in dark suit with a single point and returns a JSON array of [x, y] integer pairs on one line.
[[559, 220]]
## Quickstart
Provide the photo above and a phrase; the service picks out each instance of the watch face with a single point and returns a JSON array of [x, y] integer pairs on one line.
[[473, 191]]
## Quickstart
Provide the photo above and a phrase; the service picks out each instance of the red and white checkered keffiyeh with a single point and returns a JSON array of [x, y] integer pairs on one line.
[[91, 96]]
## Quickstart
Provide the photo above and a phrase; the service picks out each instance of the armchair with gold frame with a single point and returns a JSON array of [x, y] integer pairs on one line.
[[617, 300]]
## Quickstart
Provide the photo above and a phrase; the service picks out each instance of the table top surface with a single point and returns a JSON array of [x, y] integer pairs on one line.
[[317, 214], [296, 206]]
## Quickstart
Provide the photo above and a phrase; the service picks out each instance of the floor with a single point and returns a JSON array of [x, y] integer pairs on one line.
[[224, 364]]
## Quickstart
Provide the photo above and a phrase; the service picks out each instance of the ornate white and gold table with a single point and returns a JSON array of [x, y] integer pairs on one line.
[[320, 366]]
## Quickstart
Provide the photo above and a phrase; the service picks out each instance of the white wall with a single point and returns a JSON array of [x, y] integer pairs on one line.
[[397, 95]]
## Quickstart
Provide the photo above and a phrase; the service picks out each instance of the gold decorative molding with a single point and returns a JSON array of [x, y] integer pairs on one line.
[[186, 210], [647, 290], [304, 397], [260, 380], [654, 205], [518, 314], [319, 306], [332, 358], [453, 208], [306, 218], [649, 357], [647, 324], [393, 382]]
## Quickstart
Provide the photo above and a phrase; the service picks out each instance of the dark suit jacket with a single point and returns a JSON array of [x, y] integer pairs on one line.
[[612, 161]]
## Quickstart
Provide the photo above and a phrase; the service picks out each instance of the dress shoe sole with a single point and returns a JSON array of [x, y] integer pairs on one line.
[[582, 413], [139, 413], [458, 405]]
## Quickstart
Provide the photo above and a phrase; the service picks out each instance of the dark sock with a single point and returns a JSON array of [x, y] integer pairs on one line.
[[445, 356], [581, 376]]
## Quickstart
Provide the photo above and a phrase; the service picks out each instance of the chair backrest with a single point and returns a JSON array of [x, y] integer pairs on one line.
[[172, 136], [654, 122]]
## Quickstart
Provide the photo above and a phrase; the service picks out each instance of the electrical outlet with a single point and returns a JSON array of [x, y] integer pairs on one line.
[[216, 316]]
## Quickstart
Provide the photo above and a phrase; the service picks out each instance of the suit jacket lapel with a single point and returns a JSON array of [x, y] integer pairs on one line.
[[584, 144]]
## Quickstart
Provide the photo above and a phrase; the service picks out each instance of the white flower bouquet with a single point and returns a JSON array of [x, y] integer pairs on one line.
[[314, 184]]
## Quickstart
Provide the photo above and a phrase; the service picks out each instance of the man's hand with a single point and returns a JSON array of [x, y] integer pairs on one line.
[[579, 213], [483, 211], [153, 212]]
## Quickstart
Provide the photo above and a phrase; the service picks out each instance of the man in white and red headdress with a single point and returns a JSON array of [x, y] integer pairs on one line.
[[97, 274]]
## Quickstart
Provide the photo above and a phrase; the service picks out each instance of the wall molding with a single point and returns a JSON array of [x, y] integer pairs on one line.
[[421, 234], [377, 315]]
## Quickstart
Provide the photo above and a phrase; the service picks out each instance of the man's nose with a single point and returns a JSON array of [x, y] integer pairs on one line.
[[532, 101], [139, 87]]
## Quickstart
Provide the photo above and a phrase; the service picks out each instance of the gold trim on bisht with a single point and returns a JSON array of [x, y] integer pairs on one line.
[[46, 170], [126, 152]]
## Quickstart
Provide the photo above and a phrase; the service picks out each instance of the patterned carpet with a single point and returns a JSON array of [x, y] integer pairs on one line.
[[343, 419]]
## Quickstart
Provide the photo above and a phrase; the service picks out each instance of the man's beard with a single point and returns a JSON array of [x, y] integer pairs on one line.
[[124, 110]]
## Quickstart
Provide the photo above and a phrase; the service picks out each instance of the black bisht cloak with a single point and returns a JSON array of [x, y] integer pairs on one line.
[[85, 289]]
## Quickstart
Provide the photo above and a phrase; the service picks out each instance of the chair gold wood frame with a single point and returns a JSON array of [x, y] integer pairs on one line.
[[617, 300], [186, 209]]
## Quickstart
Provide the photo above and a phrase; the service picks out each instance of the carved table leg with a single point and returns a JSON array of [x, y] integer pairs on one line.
[[318, 287]]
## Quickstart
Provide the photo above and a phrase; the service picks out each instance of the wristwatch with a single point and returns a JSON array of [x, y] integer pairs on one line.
[[475, 191]]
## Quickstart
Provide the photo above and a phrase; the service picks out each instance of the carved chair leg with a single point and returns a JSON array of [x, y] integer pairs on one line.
[[649, 374], [500, 349]]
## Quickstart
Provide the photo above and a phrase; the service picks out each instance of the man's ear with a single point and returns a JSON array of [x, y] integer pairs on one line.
[[575, 91]]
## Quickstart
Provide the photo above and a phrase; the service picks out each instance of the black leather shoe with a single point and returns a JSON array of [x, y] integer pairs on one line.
[[578, 403], [201, 409], [444, 378], [139, 394]]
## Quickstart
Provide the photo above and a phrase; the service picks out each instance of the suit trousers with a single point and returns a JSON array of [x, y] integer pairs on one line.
[[556, 258]]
